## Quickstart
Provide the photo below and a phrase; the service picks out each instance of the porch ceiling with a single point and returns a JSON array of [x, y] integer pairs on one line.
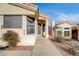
[[41, 21], [31, 15]]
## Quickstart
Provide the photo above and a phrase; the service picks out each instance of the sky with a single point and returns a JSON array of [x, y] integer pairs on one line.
[[60, 11]]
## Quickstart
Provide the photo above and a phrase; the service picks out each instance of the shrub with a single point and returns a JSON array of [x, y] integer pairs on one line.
[[3, 43], [72, 50], [59, 39], [76, 45], [11, 37]]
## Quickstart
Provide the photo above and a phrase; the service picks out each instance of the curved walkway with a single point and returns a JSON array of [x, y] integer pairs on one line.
[[44, 47]]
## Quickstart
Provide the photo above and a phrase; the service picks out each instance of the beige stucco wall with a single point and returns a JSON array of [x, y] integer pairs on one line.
[[28, 39]]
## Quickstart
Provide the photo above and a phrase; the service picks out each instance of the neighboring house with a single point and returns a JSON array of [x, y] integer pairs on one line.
[[67, 30], [21, 18]]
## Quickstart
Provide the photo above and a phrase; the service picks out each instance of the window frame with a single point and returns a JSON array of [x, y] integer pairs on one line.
[[29, 25], [68, 33]]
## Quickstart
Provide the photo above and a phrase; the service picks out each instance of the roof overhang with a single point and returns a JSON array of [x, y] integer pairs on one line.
[[43, 16], [27, 6], [31, 7]]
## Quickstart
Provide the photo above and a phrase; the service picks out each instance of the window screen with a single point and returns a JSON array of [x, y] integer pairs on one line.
[[30, 25], [12, 21]]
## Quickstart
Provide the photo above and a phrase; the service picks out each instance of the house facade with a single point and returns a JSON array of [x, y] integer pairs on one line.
[[67, 30], [21, 18]]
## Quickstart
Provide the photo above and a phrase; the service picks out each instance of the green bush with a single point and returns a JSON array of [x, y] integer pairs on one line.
[[11, 37], [72, 50], [59, 39]]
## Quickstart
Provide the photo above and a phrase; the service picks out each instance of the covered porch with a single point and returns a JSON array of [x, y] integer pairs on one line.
[[42, 28], [42, 25]]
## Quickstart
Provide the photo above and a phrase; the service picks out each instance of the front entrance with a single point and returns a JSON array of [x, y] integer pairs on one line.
[[43, 30], [75, 34]]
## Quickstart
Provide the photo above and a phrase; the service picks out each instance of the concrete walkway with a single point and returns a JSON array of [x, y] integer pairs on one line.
[[15, 53], [44, 47]]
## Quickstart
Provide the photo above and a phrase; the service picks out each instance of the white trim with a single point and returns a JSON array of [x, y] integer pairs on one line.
[[24, 24]]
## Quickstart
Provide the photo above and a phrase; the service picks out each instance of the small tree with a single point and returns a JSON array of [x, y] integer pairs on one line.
[[11, 37]]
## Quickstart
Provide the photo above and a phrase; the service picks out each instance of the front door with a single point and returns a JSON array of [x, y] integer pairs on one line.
[[75, 34], [43, 30]]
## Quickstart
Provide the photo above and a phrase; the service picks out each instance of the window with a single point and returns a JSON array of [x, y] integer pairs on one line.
[[66, 28], [12, 21], [30, 25], [39, 29], [59, 33], [66, 33]]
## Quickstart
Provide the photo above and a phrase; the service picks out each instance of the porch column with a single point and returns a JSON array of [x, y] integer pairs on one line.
[[62, 29], [41, 29], [70, 33], [46, 29], [24, 24], [36, 28]]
